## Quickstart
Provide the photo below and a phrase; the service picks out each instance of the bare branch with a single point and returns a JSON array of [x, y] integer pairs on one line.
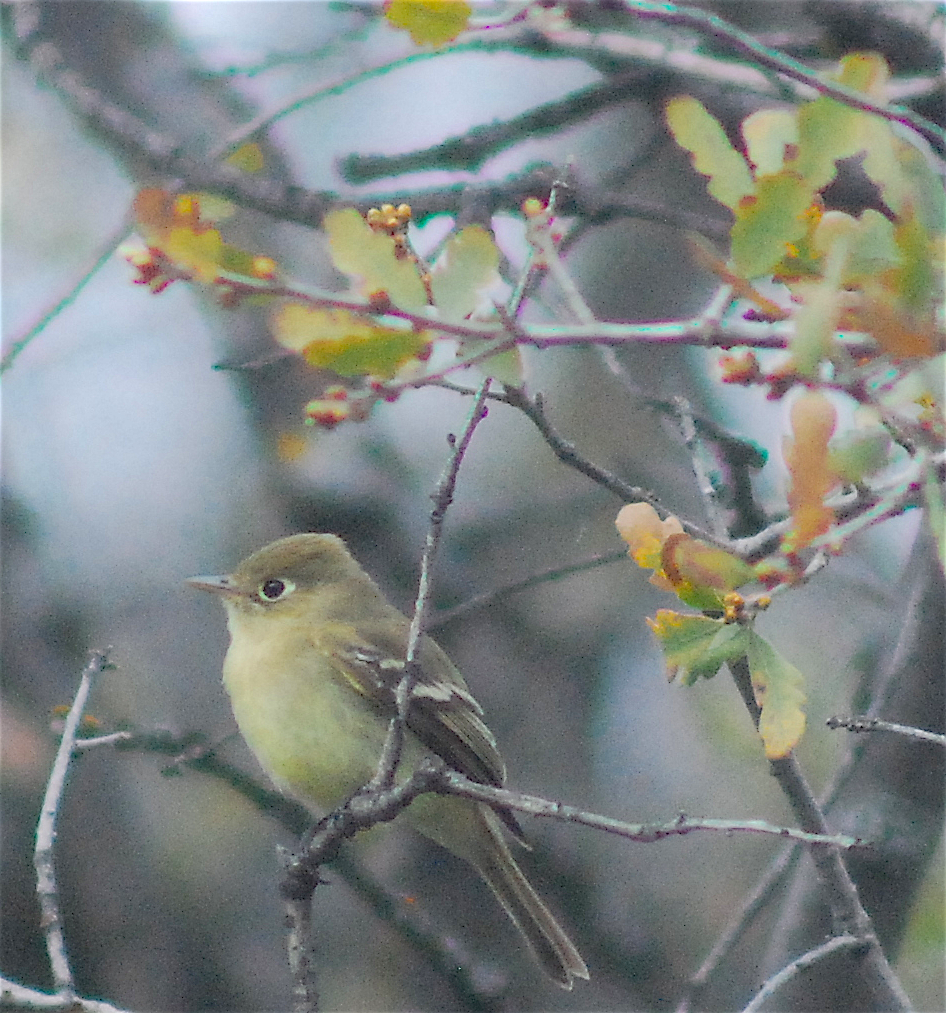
[[865, 724], [450, 782], [13, 995], [728, 34], [46, 887], [796, 967], [442, 497]]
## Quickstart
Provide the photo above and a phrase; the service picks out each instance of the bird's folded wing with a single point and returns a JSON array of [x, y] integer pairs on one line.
[[444, 715]]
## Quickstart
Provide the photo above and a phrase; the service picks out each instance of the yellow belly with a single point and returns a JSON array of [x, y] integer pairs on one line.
[[319, 741], [312, 734]]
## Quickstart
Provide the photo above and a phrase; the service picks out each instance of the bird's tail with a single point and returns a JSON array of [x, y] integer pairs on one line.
[[473, 832], [555, 952]]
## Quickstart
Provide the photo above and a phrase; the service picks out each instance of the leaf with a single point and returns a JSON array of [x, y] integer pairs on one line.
[[858, 454], [919, 274], [924, 187], [696, 646], [770, 134], [702, 574], [700, 133], [369, 258], [506, 367], [875, 249], [866, 72], [430, 22], [817, 320], [640, 526], [768, 220], [347, 343], [828, 130], [778, 688], [177, 227], [248, 157], [469, 263], [901, 298], [813, 420]]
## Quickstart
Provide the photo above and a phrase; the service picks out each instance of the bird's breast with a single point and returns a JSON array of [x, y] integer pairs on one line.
[[312, 734]]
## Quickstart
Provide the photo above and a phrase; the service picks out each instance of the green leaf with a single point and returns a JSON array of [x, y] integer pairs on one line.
[[369, 257], [506, 367], [827, 131], [875, 249], [344, 342], [695, 646], [768, 221], [860, 453], [468, 263], [700, 133], [926, 194], [768, 133], [777, 685]]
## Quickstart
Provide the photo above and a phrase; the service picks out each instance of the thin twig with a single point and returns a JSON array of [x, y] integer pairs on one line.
[[442, 497], [692, 331], [450, 782], [101, 258], [781, 865], [836, 944], [13, 995], [46, 887], [468, 151], [865, 724], [847, 913], [195, 752], [751, 907], [533, 580], [728, 34], [534, 410]]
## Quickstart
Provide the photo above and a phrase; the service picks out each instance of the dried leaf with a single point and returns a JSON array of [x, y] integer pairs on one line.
[[813, 420]]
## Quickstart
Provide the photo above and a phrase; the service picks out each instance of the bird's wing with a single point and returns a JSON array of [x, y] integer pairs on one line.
[[444, 715]]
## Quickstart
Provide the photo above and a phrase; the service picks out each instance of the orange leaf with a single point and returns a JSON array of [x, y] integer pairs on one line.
[[813, 420]]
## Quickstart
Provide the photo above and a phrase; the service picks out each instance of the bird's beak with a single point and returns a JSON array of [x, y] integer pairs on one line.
[[216, 585]]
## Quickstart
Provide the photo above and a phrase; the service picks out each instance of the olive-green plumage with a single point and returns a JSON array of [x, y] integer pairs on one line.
[[316, 654]]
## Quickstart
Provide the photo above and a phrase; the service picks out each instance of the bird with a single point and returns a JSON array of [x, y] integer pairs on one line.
[[315, 658]]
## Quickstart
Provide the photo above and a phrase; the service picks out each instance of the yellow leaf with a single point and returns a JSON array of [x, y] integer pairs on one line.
[[640, 526], [468, 264], [769, 134], [248, 157], [347, 343], [778, 691], [702, 574], [177, 227], [430, 22], [369, 257]]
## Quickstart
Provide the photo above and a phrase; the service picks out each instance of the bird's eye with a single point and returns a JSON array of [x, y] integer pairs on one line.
[[275, 588]]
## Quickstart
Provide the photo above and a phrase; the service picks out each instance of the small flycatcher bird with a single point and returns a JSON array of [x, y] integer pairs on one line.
[[316, 655]]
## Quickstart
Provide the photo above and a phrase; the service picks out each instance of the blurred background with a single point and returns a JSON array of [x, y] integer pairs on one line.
[[131, 463]]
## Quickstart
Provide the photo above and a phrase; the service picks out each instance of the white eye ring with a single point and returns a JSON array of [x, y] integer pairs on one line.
[[274, 588]]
